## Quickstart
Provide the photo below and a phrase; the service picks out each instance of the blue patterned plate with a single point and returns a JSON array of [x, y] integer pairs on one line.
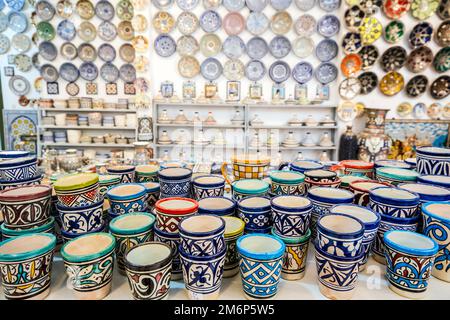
[[255, 70], [18, 22], [48, 51], [127, 73], [211, 69], [88, 71], [280, 47], [280, 4], [326, 72], [45, 10], [162, 4], [256, 5], [49, 73], [69, 72], [106, 52], [66, 30], [328, 25], [210, 21], [257, 48], [233, 47], [257, 23], [302, 72], [234, 5], [327, 50], [330, 5], [421, 34], [279, 71], [165, 46], [305, 5], [15, 5], [109, 72], [104, 10]]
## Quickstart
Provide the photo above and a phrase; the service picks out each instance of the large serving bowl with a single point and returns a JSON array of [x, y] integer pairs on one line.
[[48, 227], [147, 173], [249, 188], [175, 182], [220, 206], [433, 160], [125, 172], [291, 216], [394, 202], [396, 176], [170, 211], [173, 240], [127, 198], [287, 183], [208, 186], [18, 168], [234, 228], [357, 168], [256, 212], [361, 190], [77, 190], [81, 220]]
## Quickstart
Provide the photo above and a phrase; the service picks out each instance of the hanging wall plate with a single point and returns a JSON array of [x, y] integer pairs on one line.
[[45, 31], [280, 47], [87, 52], [394, 31], [443, 10], [404, 109], [369, 55], [210, 45], [256, 5], [347, 111], [257, 23], [303, 47], [442, 36], [281, 23], [233, 70], [69, 72], [279, 71], [305, 25], [328, 25], [127, 73], [18, 21], [187, 5], [370, 30], [21, 42], [163, 4], [49, 73], [45, 10], [423, 9], [106, 52], [124, 10], [233, 5], [88, 71], [352, 43], [64, 8], [371, 6], [305, 5], [393, 58], [107, 31], [85, 9], [188, 46], [165, 46], [441, 62], [210, 21], [87, 31], [349, 88], [416, 86], [353, 17], [257, 48], [255, 70], [127, 53], [66, 30], [394, 9], [280, 5], [369, 81], [163, 22], [233, 47], [351, 64], [212, 4], [211, 69], [329, 5], [420, 35], [326, 72], [104, 10], [302, 72], [440, 88], [419, 59], [233, 23], [48, 51], [187, 23], [327, 50], [392, 83], [109, 72]]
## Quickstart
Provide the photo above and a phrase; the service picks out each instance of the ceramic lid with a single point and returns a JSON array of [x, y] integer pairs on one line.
[[356, 164], [108, 178], [176, 205], [76, 181], [88, 247], [216, 203], [365, 186], [410, 243], [132, 223], [364, 214], [26, 246], [260, 246], [147, 169], [250, 186], [126, 190], [233, 226], [287, 176], [26, 193], [209, 180], [439, 210], [397, 173]]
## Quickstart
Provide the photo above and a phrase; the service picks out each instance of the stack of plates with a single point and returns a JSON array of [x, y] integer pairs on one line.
[[60, 136]]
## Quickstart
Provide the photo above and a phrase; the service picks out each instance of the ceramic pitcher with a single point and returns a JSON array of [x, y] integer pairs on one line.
[[246, 167]]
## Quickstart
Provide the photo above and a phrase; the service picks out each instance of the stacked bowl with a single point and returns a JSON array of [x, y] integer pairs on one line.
[[126, 198], [175, 182], [18, 168]]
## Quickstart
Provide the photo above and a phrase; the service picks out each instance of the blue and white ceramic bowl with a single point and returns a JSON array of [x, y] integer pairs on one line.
[[291, 216], [11, 154], [427, 192], [287, 183], [18, 168], [7, 184], [260, 264], [249, 188], [127, 198], [175, 182], [412, 162], [395, 176], [302, 165], [81, 220], [172, 239], [256, 212], [220, 206], [208, 186], [125, 172], [409, 259], [394, 202], [433, 160], [442, 181]]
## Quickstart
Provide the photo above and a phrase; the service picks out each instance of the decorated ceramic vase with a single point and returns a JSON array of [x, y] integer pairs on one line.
[[170, 212], [48, 227], [409, 259], [287, 183], [346, 180], [291, 216], [89, 262], [220, 206], [433, 161], [106, 182], [302, 166], [173, 240], [153, 193], [26, 265], [441, 181], [130, 230], [246, 167], [127, 198], [396, 176], [77, 190], [260, 264], [81, 220], [249, 188], [149, 268], [208, 186], [256, 212], [361, 188], [234, 228], [18, 168], [358, 168], [125, 172], [175, 182], [147, 173], [394, 202]]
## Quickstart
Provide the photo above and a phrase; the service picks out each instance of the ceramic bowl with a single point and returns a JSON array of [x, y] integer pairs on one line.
[[220, 206], [208, 186], [172, 164], [12, 154], [256, 213], [302, 166], [127, 198], [125, 172], [81, 220], [249, 188], [234, 228], [77, 190], [48, 227], [260, 254], [147, 173], [5, 184], [106, 182], [409, 259], [175, 182], [321, 175], [26, 262], [442, 181], [392, 164], [358, 168], [149, 268], [26, 207], [287, 183], [89, 262], [130, 230], [412, 162], [433, 161], [394, 202], [202, 235], [427, 192], [170, 211], [395, 176], [361, 188], [291, 216], [67, 236], [173, 240], [311, 184], [347, 179], [18, 168], [436, 225], [153, 192]]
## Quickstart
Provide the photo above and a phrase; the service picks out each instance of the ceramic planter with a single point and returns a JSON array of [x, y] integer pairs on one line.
[[291, 216], [4, 184], [81, 220], [302, 166], [432, 160], [436, 225], [321, 175], [208, 186], [427, 192], [77, 190], [394, 202], [358, 168], [287, 183], [67, 236], [130, 230], [246, 167], [175, 182], [89, 262], [125, 172], [392, 164], [396, 176], [26, 265], [106, 182], [48, 227], [18, 168], [173, 164], [234, 228], [26, 207], [202, 235], [127, 198], [361, 188], [12, 154], [220, 206], [249, 188], [310, 184], [170, 211], [153, 192], [147, 173], [256, 213], [409, 259], [295, 256], [261, 260], [173, 240], [442, 181], [347, 180]]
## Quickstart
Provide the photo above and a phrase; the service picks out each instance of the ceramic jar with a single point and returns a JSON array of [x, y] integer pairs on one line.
[[220, 206], [127, 198], [149, 267], [234, 228], [175, 182], [409, 259], [394, 202], [291, 216], [125, 172], [26, 207], [208, 186], [170, 211], [357, 168], [153, 192], [256, 213], [249, 188], [287, 183], [261, 260], [130, 230], [442, 181], [18, 168], [347, 180], [246, 167], [48, 227], [81, 220], [106, 182], [396, 176], [77, 190], [433, 160], [89, 262], [147, 173], [173, 240], [302, 166], [26, 265], [427, 192], [321, 178], [436, 225], [361, 188]]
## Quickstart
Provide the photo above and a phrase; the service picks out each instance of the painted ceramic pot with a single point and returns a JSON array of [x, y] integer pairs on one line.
[[295, 256], [130, 230], [149, 268], [392, 164], [412, 162], [12, 154], [175, 182], [147, 173], [246, 167], [256, 212], [287, 183], [26, 265], [396, 176], [106, 182], [323, 199], [48, 227], [434, 161], [89, 262], [18, 168], [261, 260], [67, 236], [442, 181], [125, 172], [5, 185], [173, 240], [348, 179], [357, 168], [409, 259], [427, 192], [234, 228], [127, 198], [26, 207], [81, 220], [170, 211], [321, 175], [208, 186], [291, 216], [302, 166], [310, 184], [249, 188], [394, 202], [77, 190], [219, 206], [436, 225], [173, 164], [361, 189], [153, 192], [371, 221]]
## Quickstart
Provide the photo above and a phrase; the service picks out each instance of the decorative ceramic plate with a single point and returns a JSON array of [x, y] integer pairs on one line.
[[416, 86], [351, 64], [3, 21], [49, 73], [434, 110], [327, 50], [21, 42], [420, 35], [140, 43], [139, 23], [48, 51], [165, 46], [163, 22], [18, 22], [352, 42], [423, 9], [210, 21], [279, 71], [353, 17], [127, 52], [85, 9], [257, 48], [106, 52], [23, 62], [104, 10], [326, 72], [256, 5], [255, 70], [72, 89], [369, 55], [87, 31], [109, 72], [370, 30], [234, 5], [187, 5], [19, 85], [280, 47], [187, 23], [66, 30], [369, 81], [210, 45], [212, 4], [349, 88], [442, 36], [443, 11], [305, 5], [125, 10], [15, 5], [441, 61], [370, 6], [88, 71], [281, 23], [141, 63], [45, 31], [393, 58], [107, 31], [64, 8], [87, 52], [188, 67], [69, 72], [233, 70], [211, 69], [257, 23], [330, 5], [163, 4], [328, 25], [440, 88], [303, 47], [233, 23], [233, 47], [188, 46], [394, 9], [5, 44], [127, 73], [391, 83], [394, 31], [419, 59], [45, 10], [404, 109], [420, 110], [280, 4]]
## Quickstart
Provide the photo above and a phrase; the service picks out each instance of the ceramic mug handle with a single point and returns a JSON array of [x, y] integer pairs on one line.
[[225, 173], [283, 165]]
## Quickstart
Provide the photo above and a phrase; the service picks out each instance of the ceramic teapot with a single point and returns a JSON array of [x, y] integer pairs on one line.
[[252, 166]]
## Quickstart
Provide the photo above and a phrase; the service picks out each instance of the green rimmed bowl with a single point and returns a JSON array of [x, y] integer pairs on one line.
[[396, 176], [287, 183], [249, 187], [48, 227]]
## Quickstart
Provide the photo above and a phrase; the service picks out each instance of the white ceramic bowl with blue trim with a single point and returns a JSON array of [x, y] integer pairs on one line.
[[208, 186], [291, 216], [427, 192], [220, 206], [172, 239], [442, 181], [396, 176], [81, 220], [175, 182], [302, 165], [433, 160], [394, 202], [249, 188], [409, 259], [256, 212], [127, 198], [18, 168]]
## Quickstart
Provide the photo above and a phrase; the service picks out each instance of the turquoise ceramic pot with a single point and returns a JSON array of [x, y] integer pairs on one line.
[[287, 183], [396, 176], [48, 227], [249, 188]]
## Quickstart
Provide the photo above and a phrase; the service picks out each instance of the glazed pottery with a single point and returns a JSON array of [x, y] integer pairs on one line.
[[321, 175], [67, 236], [287, 183], [302, 166], [173, 240], [249, 188], [6, 184], [81, 220], [89, 262], [392, 164], [295, 256], [433, 160], [170, 211], [147, 173], [311, 184], [247, 167], [26, 265], [26, 207], [234, 228], [357, 168], [77, 190], [12, 154], [106, 182], [125, 172], [130, 230], [149, 267], [291, 216], [256, 213], [175, 182], [172, 164], [394, 202], [220, 206], [48, 227], [395, 176], [127, 197], [361, 189], [427, 192], [346, 180], [208, 186], [260, 263], [436, 225], [409, 259], [153, 191], [443, 181], [18, 168]]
